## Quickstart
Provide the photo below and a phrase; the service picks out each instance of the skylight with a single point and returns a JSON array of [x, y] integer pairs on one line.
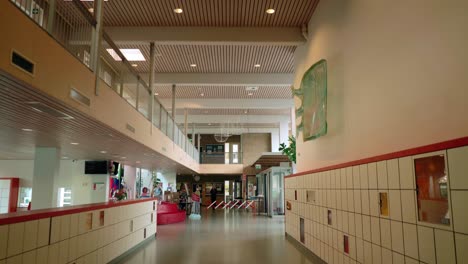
[[130, 54]]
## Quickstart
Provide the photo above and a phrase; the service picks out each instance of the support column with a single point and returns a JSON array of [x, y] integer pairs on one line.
[[51, 16], [293, 121], [284, 132], [275, 141], [173, 101], [151, 85], [96, 42], [185, 122], [293, 133], [46, 170], [198, 142]]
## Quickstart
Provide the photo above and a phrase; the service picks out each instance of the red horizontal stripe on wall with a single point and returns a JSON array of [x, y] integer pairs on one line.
[[6, 219], [454, 143]]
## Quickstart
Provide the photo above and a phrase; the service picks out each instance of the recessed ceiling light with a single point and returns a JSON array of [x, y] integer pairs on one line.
[[209, 124], [27, 129], [137, 161], [245, 112], [134, 65], [103, 151], [178, 10], [75, 143], [130, 54], [202, 94], [270, 11], [91, 9], [193, 65], [124, 157], [156, 93], [257, 65], [250, 94], [64, 157]]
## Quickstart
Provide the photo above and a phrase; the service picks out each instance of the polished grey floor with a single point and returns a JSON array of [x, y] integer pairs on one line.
[[220, 237]]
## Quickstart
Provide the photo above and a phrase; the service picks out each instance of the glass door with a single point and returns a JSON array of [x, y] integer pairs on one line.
[[277, 194]]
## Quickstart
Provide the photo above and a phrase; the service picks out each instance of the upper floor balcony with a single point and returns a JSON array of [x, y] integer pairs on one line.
[[90, 82]]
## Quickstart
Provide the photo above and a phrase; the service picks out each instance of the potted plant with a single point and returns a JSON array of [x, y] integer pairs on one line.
[[290, 150]]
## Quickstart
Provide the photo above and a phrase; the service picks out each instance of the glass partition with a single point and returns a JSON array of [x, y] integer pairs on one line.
[[170, 128], [143, 99], [164, 121], [156, 114]]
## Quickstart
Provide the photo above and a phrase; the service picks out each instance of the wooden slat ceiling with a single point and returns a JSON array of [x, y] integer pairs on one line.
[[227, 92], [234, 126], [217, 58], [208, 13], [49, 131], [231, 111]]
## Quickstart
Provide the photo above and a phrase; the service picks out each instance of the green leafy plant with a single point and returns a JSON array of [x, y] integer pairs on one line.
[[289, 150]]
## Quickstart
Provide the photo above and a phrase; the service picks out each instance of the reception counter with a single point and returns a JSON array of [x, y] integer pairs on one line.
[[93, 233]]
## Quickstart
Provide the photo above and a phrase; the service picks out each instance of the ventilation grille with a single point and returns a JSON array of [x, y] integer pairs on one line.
[[42, 108], [22, 63], [77, 96], [130, 128]]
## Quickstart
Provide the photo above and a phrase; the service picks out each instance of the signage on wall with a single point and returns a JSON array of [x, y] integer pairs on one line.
[[258, 166]]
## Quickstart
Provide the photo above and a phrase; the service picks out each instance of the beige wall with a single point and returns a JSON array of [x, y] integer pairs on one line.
[[345, 202], [57, 71], [396, 76], [253, 145]]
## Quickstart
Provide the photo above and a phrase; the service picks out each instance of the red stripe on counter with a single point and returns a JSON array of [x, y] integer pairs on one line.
[[454, 143], [18, 217]]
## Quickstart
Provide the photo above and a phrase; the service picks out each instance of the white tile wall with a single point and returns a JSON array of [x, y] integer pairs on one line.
[[426, 244], [385, 233], [3, 241], [398, 258], [460, 211], [363, 175], [375, 230], [394, 199], [393, 174], [387, 257], [28, 242], [372, 173], [406, 173], [382, 175], [30, 235], [461, 247], [445, 246], [397, 236], [409, 206], [410, 237], [352, 194], [376, 254], [15, 239], [458, 167]]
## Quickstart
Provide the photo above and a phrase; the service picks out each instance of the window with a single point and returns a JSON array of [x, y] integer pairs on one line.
[[432, 188]]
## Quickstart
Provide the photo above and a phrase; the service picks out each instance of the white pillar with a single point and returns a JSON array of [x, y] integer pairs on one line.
[[293, 121], [275, 141], [46, 170], [151, 85], [284, 132]]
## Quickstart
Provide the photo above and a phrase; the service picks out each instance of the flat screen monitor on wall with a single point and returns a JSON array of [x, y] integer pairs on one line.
[[96, 167]]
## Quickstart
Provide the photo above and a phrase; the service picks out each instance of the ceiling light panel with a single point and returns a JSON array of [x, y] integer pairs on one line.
[[130, 54]]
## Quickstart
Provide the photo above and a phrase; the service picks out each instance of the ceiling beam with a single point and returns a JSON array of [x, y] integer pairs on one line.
[[282, 36], [255, 119], [229, 103], [264, 79]]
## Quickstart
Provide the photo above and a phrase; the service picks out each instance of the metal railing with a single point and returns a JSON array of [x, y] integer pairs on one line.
[[117, 72], [72, 24], [221, 158], [68, 22]]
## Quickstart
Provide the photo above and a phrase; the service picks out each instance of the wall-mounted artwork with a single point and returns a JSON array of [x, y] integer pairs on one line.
[[313, 96]]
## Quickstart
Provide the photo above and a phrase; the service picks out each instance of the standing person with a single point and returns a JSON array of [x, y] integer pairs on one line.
[[182, 198], [213, 194], [158, 192]]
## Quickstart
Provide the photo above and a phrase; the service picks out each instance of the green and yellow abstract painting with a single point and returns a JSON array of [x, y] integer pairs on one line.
[[313, 96]]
